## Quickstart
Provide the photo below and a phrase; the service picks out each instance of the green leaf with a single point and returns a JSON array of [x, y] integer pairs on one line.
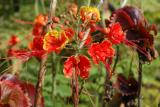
[[63, 90]]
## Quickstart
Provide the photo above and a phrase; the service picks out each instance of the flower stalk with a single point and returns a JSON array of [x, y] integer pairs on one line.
[[41, 75], [75, 90], [42, 71], [140, 82]]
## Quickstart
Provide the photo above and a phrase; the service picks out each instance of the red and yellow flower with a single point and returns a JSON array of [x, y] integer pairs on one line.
[[56, 39], [89, 14]]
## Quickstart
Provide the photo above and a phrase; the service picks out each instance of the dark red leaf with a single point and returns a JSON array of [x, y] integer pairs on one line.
[[127, 86], [12, 95]]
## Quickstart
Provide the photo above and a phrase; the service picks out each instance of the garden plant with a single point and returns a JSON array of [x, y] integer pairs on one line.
[[79, 53]]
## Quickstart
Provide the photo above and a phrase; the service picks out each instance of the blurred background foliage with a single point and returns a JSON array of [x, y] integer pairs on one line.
[[57, 91]]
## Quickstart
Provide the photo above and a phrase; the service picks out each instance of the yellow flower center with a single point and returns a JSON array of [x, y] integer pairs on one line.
[[55, 33]]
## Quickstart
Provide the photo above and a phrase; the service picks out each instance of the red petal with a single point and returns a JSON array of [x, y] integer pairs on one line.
[[101, 51], [37, 44], [116, 35], [29, 89], [84, 66], [38, 30], [13, 40], [69, 66], [23, 55], [69, 33]]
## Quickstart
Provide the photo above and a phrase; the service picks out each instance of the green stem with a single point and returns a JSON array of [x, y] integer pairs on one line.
[[36, 7], [140, 82], [43, 6], [116, 60]]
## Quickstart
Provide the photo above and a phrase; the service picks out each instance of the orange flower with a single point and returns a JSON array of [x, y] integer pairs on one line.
[[56, 39], [39, 23], [41, 19], [89, 14]]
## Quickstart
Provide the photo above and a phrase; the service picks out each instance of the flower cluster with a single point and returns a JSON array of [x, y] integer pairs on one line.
[[89, 39], [128, 19]]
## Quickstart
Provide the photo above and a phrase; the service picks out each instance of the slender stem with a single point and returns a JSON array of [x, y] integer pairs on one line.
[[130, 67], [140, 82], [41, 75], [89, 96], [82, 86], [107, 83], [52, 8], [116, 60], [123, 3], [75, 90], [43, 6], [74, 81], [36, 7], [107, 91], [84, 38]]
